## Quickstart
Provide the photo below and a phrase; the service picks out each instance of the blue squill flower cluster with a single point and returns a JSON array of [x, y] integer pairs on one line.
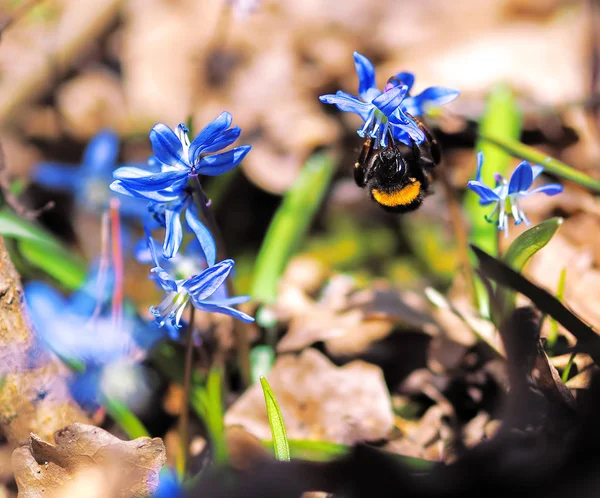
[[506, 194], [389, 113], [171, 187]]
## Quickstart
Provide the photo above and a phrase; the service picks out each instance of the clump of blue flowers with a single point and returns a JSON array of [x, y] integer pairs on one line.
[[389, 112], [506, 194], [171, 186]]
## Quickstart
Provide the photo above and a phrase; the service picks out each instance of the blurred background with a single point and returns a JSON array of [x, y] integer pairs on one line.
[[354, 289]]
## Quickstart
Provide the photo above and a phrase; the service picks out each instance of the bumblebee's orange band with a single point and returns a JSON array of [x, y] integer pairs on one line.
[[400, 197]]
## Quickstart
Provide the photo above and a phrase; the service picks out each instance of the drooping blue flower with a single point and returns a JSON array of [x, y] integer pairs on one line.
[[180, 159], [391, 109], [506, 194], [89, 182], [202, 289]]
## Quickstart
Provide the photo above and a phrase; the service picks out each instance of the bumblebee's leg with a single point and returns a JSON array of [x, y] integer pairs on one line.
[[435, 152], [360, 166]]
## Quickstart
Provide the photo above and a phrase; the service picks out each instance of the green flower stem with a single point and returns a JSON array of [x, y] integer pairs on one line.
[[181, 460], [240, 329], [551, 165]]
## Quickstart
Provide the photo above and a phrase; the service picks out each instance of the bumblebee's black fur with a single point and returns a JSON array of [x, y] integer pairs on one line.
[[391, 169]]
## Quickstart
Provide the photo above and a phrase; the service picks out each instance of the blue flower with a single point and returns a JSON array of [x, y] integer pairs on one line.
[[175, 160], [89, 182], [505, 196], [82, 331], [179, 160], [390, 110], [203, 289]]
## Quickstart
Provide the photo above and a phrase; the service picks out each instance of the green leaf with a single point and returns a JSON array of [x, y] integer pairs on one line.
[[588, 341], [522, 250], [19, 228], [207, 402], [280, 441], [528, 243], [502, 118], [43, 250], [551, 165], [125, 418], [56, 261], [290, 225]]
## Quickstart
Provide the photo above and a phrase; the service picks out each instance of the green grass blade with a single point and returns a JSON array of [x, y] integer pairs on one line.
[[324, 451], [290, 225], [551, 165], [522, 250], [501, 118], [215, 416], [125, 418], [56, 261], [560, 295], [280, 441], [43, 250]]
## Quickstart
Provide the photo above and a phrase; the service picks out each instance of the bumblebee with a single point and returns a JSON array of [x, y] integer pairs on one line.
[[399, 176]]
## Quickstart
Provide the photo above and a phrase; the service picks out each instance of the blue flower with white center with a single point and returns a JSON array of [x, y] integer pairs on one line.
[[89, 182], [391, 109], [179, 159], [505, 196], [203, 289]]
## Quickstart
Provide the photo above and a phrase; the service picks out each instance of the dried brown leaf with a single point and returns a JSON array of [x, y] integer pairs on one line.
[[319, 401], [34, 396], [84, 456]]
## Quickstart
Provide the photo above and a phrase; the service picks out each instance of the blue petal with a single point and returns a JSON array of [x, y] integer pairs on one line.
[[225, 310], [389, 101], [44, 302], [205, 238], [141, 180], [365, 72], [537, 170], [142, 253], [151, 246], [548, 189], [100, 155], [223, 140], [218, 164], [159, 196], [164, 279], [486, 194], [206, 283], [402, 78], [167, 147], [173, 233], [230, 301], [479, 166], [521, 178], [429, 98], [348, 103], [401, 136], [400, 125], [209, 134], [58, 176]]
